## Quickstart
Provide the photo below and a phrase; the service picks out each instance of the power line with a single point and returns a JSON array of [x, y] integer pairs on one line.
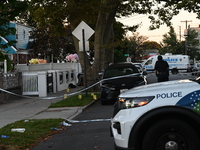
[[186, 21], [131, 18]]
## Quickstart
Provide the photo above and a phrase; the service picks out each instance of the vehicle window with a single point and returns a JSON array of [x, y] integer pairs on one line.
[[113, 72], [149, 62], [139, 67]]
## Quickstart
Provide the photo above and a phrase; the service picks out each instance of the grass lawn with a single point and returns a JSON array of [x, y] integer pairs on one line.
[[76, 100], [37, 130]]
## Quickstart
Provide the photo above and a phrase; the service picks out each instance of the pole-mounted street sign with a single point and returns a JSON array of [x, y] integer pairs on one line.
[[83, 32], [87, 30], [78, 33]]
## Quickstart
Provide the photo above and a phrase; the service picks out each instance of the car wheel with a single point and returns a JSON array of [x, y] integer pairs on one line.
[[171, 134], [174, 71]]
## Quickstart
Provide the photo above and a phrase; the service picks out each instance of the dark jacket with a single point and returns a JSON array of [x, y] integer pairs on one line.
[[162, 70]]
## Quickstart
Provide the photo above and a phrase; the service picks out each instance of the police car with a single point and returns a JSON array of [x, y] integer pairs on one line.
[[159, 116]]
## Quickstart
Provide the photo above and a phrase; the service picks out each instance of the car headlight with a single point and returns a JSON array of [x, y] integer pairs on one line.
[[125, 103]]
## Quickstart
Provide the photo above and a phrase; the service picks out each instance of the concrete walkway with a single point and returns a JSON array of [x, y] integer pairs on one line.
[[34, 108]]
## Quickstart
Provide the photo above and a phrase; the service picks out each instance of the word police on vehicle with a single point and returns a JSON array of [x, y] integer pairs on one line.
[[159, 116], [169, 95]]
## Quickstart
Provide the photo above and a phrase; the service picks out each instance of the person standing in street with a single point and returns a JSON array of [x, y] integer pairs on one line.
[[162, 69]]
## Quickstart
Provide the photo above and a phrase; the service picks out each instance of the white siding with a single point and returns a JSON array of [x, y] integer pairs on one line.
[[23, 36]]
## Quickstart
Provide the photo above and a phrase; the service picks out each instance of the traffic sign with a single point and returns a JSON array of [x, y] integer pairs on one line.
[[81, 45], [87, 30]]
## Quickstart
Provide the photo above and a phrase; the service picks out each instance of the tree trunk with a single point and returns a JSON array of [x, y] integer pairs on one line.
[[104, 34], [104, 53]]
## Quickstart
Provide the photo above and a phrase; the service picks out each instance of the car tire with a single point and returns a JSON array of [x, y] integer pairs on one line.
[[171, 134], [174, 71]]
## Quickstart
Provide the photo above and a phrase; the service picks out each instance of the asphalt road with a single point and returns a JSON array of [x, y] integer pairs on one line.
[[91, 135], [84, 136], [151, 78]]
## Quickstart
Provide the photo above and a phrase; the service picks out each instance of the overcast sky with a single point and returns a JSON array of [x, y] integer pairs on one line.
[[179, 23]]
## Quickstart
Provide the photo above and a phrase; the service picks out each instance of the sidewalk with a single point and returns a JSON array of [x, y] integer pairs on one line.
[[33, 108]]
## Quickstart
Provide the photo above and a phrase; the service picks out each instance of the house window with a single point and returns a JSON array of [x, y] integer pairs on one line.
[[24, 33], [16, 34]]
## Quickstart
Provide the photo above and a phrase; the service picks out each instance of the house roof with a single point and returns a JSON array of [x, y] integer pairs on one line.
[[9, 49]]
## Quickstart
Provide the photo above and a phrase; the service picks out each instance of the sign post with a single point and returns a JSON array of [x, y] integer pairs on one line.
[[84, 53], [83, 32]]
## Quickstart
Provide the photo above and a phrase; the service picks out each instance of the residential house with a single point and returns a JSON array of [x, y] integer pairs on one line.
[[20, 52]]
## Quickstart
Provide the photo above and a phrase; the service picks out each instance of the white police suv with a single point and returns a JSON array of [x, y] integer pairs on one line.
[[159, 116]]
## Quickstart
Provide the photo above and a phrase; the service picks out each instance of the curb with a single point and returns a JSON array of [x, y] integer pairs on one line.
[[83, 109], [92, 103]]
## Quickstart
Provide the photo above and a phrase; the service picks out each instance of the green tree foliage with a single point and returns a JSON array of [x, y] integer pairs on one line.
[[135, 47], [170, 43], [5, 57], [119, 56], [46, 44], [151, 45], [9, 9], [100, 15], [192, 44]]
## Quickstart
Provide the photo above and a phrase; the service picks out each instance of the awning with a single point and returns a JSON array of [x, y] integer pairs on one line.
[[9, 49]]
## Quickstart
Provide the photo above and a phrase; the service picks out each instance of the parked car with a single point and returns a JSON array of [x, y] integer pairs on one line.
[[118, 78], [196, 70], [197, 66], [141, 68], [191, 68]]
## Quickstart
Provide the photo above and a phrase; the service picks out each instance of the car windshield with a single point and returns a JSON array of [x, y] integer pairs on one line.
[[113, 72], [139, 67]]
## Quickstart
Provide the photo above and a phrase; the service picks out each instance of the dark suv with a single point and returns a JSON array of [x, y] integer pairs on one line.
[[118, 78]]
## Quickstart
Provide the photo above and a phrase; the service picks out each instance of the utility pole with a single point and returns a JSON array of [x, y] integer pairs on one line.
[[180, 32], [186, 22], [186, 27]]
